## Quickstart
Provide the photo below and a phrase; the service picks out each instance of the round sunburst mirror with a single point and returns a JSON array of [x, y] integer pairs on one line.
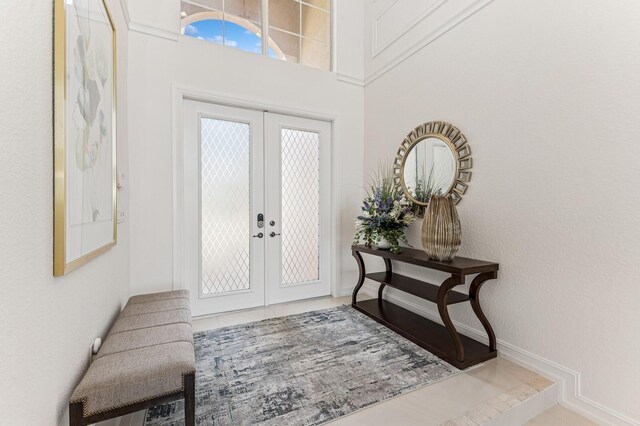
[[434, 159]]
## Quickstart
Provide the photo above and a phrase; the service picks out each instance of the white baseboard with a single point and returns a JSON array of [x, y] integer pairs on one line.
[[569, 392], [343, 292]]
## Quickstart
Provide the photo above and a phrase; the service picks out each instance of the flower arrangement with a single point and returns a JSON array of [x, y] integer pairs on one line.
[[385, 212]]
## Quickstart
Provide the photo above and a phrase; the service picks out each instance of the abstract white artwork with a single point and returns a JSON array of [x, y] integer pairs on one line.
[[85, 116]]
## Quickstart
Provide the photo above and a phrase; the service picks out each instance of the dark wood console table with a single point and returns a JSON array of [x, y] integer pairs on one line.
[[444, 341]]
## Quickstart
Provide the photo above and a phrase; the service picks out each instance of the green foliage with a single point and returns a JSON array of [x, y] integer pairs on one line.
[[385, 212]]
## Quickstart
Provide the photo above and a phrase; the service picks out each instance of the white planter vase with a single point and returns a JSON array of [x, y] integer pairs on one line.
[[383, 244]]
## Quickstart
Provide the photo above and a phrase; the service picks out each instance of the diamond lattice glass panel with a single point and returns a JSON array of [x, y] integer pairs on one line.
[[300, 206], [225, 206]]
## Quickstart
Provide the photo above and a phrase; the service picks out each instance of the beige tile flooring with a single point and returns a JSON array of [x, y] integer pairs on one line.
[[457, 398], [559, 416]]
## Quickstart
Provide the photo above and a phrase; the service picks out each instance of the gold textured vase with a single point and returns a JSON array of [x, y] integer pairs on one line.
[[441, 230]]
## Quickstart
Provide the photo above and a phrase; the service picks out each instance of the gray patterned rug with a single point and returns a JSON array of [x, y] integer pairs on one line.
[[304, 369]]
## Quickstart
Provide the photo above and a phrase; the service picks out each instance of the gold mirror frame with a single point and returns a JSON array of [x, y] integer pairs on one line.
[[457, 143]]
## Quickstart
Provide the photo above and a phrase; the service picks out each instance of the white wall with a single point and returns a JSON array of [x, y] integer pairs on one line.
[[158, 18], [47, 323], [156, 65], [548, 95], [349, 30]]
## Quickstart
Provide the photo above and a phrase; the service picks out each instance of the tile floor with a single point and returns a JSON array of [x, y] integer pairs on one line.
[[453, 401], [559, 416]]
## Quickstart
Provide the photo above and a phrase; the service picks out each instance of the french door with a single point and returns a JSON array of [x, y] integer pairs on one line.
[[256, 207]]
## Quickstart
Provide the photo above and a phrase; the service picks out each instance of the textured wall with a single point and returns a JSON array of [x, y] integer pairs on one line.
[[47, 323], [548, 94]]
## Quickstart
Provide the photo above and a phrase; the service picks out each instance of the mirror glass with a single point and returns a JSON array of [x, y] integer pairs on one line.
[[429, 168]]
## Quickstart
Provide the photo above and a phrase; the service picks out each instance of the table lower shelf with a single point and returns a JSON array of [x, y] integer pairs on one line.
[[425, 333]]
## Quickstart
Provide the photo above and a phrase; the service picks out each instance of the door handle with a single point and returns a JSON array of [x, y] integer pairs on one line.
[[260, 235], [273, 234]]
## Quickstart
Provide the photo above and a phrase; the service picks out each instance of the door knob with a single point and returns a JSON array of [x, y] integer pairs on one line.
[[273, 234], [260, 235]]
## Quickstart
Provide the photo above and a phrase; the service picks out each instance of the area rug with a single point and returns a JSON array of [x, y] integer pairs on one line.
[[304, 369]]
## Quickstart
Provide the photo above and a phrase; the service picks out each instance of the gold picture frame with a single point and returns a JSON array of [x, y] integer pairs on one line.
[[85, 115]]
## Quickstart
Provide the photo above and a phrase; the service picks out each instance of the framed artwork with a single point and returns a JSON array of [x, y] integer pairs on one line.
[[85, 223]]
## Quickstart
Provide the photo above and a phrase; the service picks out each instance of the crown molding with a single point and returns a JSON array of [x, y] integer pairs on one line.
[[378, 48], [153, 31], [143, 28], [346, 78], [428, 39]]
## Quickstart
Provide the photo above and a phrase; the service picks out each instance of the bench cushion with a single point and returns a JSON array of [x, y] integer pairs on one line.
[[126, 378], [154, 297], [136, 322], [136, 339], [155, 306]]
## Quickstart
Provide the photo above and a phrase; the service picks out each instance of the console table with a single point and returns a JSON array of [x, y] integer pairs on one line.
[[444, 341]]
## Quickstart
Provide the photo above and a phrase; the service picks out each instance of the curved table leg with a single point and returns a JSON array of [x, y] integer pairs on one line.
[[443, 294], [389, 269], [474, 296], [360, 262]]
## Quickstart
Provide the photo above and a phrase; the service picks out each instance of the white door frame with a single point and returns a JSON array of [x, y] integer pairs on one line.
[[182, 93]]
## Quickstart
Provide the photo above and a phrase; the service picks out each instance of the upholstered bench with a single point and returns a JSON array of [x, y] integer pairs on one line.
[[147, 359]]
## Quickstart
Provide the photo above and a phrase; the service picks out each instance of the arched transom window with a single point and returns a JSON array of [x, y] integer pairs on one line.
[[297, 30]]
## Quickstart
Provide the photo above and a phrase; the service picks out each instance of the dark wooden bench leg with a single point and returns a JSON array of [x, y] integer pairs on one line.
[[75, 414], [190, 399]]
